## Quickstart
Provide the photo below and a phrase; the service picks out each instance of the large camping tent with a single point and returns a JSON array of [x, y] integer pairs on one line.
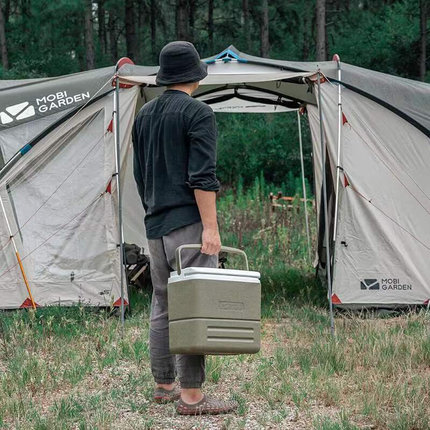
[[371, 155]]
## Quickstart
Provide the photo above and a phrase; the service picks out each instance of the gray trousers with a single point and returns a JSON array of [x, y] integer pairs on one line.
[[165, 366]]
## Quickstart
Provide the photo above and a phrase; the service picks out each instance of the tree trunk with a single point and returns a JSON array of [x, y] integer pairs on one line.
[[153, 30], [191, 16], [307, 35], [79, 36], [102, 26], [264, 29], [113, 46], [321, 52], [130, 30], [89, 41], [3, 43], [246, 27], [25, 18], [6, 11], [423, 38], [211, 26], [140, 26], [182, 30]]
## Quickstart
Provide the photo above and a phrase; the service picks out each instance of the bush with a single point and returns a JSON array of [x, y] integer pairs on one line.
[[249, 144]]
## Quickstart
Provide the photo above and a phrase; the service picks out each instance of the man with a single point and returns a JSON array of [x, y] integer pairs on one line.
[[174, 140]]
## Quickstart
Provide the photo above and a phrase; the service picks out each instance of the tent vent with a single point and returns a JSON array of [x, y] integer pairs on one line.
[[109, 187], [227, 55]]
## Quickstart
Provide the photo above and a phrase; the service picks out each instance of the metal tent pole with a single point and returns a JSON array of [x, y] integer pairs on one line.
[[118, 188], [339, 137], [324, 197], [24, 276], [305, 201]]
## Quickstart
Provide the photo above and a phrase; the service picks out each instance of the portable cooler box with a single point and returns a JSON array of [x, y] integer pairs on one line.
[[214, 311]]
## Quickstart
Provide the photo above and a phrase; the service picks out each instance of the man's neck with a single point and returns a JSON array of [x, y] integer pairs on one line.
[[184, 88]]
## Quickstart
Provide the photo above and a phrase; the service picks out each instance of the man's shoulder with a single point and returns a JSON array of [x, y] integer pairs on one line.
[[148, 106], [188, 106], [197, 107]]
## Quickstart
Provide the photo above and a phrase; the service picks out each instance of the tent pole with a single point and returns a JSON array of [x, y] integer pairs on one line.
[[324, 197], [24, 276], [118, 188], [339, 137], [305, 201]]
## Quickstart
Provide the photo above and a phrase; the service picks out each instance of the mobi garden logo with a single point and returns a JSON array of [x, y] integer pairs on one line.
[[17, 112], [385, 284], [44, 104], [369, 284]]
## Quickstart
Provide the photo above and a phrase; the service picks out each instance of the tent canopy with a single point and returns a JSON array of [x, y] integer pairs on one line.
[[229, 71], [405, 97], [57, 162]]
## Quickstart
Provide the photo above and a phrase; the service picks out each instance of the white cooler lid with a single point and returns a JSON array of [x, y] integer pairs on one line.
[[192, 271]]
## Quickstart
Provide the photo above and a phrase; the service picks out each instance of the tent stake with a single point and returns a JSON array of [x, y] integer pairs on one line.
[[24, 276], [324, 197], [339, 137], [118, 188], [305, 201]]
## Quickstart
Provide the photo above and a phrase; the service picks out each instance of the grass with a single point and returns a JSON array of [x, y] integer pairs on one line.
[[69, 368]]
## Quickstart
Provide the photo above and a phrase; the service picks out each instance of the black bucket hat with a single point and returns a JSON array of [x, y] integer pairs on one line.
[[179, 64]]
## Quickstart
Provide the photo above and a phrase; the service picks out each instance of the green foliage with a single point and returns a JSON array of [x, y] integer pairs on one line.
[[385, 36], [262, 145], [47, 38], [44, 39]]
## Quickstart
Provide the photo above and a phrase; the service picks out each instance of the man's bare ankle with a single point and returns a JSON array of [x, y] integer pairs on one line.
[[167, 386], [191, 395]]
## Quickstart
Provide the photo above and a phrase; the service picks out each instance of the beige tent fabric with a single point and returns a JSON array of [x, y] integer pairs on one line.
[[220, 73], [68, 223], [383, 239]]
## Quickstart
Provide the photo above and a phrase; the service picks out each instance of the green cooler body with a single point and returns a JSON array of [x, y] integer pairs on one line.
[[214, 311]]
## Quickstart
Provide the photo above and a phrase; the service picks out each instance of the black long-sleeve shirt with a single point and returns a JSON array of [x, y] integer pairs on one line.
[[174, 142]]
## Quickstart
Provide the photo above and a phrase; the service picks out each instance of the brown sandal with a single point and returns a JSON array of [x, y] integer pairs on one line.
[[208, 405], [161, 395]]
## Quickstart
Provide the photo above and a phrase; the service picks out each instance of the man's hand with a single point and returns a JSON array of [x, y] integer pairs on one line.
[[206, 202], [211, 242]]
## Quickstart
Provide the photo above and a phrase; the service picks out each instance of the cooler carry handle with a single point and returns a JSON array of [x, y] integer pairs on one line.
[[198, 246]]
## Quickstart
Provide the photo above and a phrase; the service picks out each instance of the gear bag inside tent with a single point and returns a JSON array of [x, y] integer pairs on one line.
[[60, 221]]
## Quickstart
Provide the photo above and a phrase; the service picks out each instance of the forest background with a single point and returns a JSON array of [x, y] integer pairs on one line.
[[49, 38]]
